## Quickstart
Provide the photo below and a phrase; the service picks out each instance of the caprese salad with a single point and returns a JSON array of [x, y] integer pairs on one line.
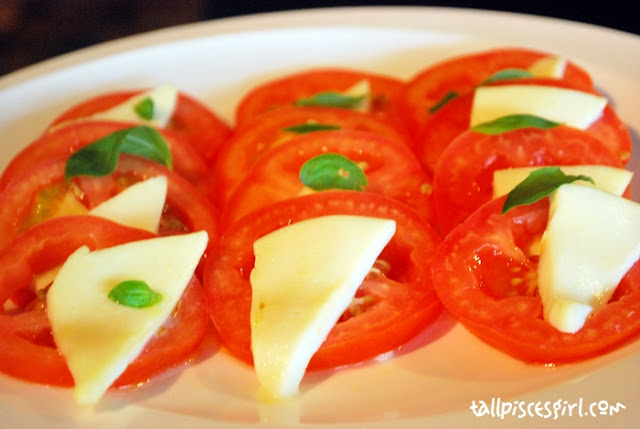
[[330, 224]]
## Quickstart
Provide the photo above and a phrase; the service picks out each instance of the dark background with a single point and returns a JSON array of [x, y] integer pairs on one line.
[[33, 30]]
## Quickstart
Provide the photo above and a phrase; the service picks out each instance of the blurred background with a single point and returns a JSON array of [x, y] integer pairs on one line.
[[34, 30]]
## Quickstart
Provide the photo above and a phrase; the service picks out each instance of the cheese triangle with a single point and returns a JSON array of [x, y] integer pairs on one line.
[[305, 276], [99, 337]]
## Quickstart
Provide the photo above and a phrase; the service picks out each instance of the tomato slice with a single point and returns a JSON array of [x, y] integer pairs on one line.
[[238, 155], [191, 120], [453, 118], [66, 140], [402, 301], [391, 169], [463, 73], [488, 281], [185, 209], [463, 178], [27, 350], [285, 91]]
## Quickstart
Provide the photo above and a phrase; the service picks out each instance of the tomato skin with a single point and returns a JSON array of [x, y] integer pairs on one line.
[[238, 154], [407, 304], [466, 71], [391, 169], [27, 350], [183, 200], [473, 273], [453, 119], [286, 90], [191, 120], [463, 178], [67, 140]]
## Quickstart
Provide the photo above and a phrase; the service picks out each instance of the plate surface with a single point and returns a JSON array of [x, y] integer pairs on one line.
[[437, 377]]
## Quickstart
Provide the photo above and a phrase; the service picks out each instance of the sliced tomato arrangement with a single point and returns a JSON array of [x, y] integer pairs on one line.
[[27, 350], [391, 170], [403, 300], [191, 120], [463, 178], [286, 91], [454, 117], [459, 75], [67, 140], [24, 202], [238, 155], [487, 280]]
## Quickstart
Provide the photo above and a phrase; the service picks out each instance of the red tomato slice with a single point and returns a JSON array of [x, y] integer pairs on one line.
[[66, 140], [463, 73], [486, 280], [285, 91], [402, 302], [391, 169], [453, 118], [27, 350], [185, 210], [238, 155], [191, 120], [463, 178]]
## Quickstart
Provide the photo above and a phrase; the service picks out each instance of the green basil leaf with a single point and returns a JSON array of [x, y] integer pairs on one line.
[[331, 99], [444, 100], [513, 122], [144, 108], [135, 294], [332, 171], [101, 157], [539, 184], [309, 127], [507, 74]]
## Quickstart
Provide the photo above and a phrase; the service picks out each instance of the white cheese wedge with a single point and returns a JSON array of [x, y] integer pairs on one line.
[[139, 205], [553, 67], [361, 89], [164, 99], [592, 240], [610, 179], [567, 106], [98, 337], [305, 276]]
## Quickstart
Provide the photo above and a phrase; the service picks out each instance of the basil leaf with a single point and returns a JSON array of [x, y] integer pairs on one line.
[[101, 157], [513, 122], [310, 127], [144, 108], [331, 99], [539, 184], [135, 294], [507, 74], [444, 100], [332, 171]]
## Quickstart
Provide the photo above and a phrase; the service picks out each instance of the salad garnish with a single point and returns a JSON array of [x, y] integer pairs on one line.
[[508, 74], [101, 157], [309, 127], [144, 108], [332, 171], [514, 122], [539, 184], [134, 294], [332, 99], [444, 100]]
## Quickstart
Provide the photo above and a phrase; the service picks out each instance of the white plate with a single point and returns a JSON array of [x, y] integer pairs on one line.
[[438, 377]]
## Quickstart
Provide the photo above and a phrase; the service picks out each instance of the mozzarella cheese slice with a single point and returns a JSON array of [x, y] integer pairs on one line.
[[592, 240], [139, 205], [98, 337], [305, 276], [566, 106], [610, 179], [361, 89], [553, 67]]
